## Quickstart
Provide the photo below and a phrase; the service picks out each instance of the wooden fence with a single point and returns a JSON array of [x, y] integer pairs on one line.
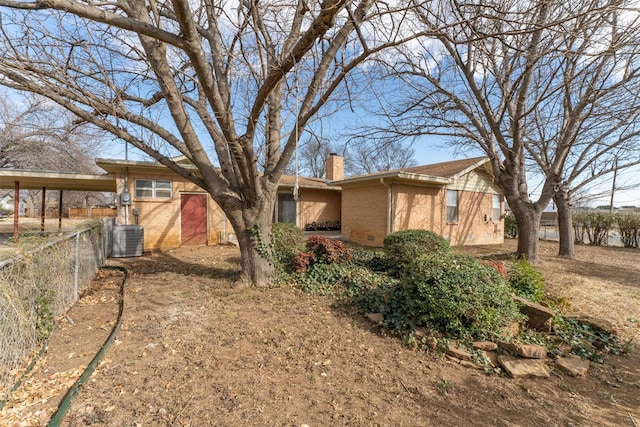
[[93, 213]]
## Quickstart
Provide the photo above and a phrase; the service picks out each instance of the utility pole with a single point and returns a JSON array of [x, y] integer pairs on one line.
[[613, 186]]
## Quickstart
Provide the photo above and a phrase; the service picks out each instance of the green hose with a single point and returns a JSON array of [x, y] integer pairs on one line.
[[17, 384], [65, 404]]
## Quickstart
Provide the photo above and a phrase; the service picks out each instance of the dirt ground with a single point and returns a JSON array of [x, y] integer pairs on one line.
[[194, 352]]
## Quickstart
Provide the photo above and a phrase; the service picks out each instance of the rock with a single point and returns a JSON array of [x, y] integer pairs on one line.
[[510, 331], [376, 318], [431, 342], [422, 332], [600, 325], [472, 365], [524, 368], [458, 353], [485, 345], [492, 356], [425, 337], [573, 365], [529, 351], [539, 317]]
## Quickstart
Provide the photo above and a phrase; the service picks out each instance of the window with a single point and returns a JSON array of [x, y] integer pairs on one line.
[[153, 189], [496, 212], [452, 206]]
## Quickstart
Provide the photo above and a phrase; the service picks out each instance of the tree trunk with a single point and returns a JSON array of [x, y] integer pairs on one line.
[[252, 226], [565, 224], [528, 219]]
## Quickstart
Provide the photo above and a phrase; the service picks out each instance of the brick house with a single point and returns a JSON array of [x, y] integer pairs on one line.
[[455, 199], [175, 212]]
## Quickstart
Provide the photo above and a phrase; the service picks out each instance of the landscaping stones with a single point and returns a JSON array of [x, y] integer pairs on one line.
[[484, 345], [529, 351], [510, 331], [458, 352], [573, 365], [539, 317], [595, 324], [376, 318], [524, 368]]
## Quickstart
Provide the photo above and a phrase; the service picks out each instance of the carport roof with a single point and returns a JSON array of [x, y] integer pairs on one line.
[[35, 180]]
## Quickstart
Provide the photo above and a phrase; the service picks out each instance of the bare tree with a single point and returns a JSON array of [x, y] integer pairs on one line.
[[312, 156], [209, 80], [38, 134], [364, 155], [539, 86]]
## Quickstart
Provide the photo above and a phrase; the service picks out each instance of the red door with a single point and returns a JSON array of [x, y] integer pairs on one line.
[[193, 219]]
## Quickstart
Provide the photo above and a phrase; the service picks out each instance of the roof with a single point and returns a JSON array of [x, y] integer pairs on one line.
[[436, 173], [35, 180], [303, 182], [115, 166]]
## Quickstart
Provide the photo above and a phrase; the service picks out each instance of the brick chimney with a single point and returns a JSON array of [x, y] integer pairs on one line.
[[335, 167]]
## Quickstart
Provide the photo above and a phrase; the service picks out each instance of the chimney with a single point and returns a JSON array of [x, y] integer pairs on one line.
[[335, 167]]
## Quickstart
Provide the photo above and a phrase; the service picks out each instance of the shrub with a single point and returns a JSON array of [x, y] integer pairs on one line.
[[510, 226], [499, 267], [595, 225], [360, 280], [402, 247], [302, 262], [287, 241], [629, 227], [370, 259], [323, 279], [458, 296], [328, 251], [525, 280]]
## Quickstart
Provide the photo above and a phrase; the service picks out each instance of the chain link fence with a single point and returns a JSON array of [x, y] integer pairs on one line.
[[37, 287]]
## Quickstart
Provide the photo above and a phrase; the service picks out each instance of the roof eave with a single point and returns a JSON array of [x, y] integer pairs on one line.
[[468, 169], [398, 175]]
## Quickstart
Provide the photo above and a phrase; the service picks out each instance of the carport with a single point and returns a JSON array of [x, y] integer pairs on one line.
[[20, 179]]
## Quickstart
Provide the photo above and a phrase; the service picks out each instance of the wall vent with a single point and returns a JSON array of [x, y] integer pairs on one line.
[[128, 241]]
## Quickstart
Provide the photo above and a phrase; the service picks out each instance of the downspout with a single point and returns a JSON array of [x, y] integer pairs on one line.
[[389, 205], [224, 228], [126, 189]]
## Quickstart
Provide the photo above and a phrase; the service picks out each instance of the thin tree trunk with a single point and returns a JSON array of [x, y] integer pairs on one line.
[[565, 224]]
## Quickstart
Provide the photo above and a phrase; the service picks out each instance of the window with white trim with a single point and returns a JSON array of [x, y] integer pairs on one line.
[[452, 206], [496, 211], [152, 189]]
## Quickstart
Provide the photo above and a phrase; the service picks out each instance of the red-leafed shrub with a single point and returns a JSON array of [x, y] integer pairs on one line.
[[499, 267], [303, 261], [328, 251]]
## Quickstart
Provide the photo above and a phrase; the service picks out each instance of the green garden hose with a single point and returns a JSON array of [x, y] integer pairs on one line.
[[65, 404]]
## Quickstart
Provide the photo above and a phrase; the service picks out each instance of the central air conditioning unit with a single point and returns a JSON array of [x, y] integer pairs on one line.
[[127, 241]]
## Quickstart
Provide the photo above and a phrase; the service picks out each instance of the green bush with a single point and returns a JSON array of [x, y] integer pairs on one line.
[[510, 226], [402, 247], [594, 225], [629, 227], [370, 259], [525, 280], [358, 281], [458, 296], [287, 241], [322, 279]]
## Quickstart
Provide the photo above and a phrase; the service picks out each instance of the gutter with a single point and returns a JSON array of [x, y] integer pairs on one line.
[[389, 204]]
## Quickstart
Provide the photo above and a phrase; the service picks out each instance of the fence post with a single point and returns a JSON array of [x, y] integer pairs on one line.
[[76, 273]]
